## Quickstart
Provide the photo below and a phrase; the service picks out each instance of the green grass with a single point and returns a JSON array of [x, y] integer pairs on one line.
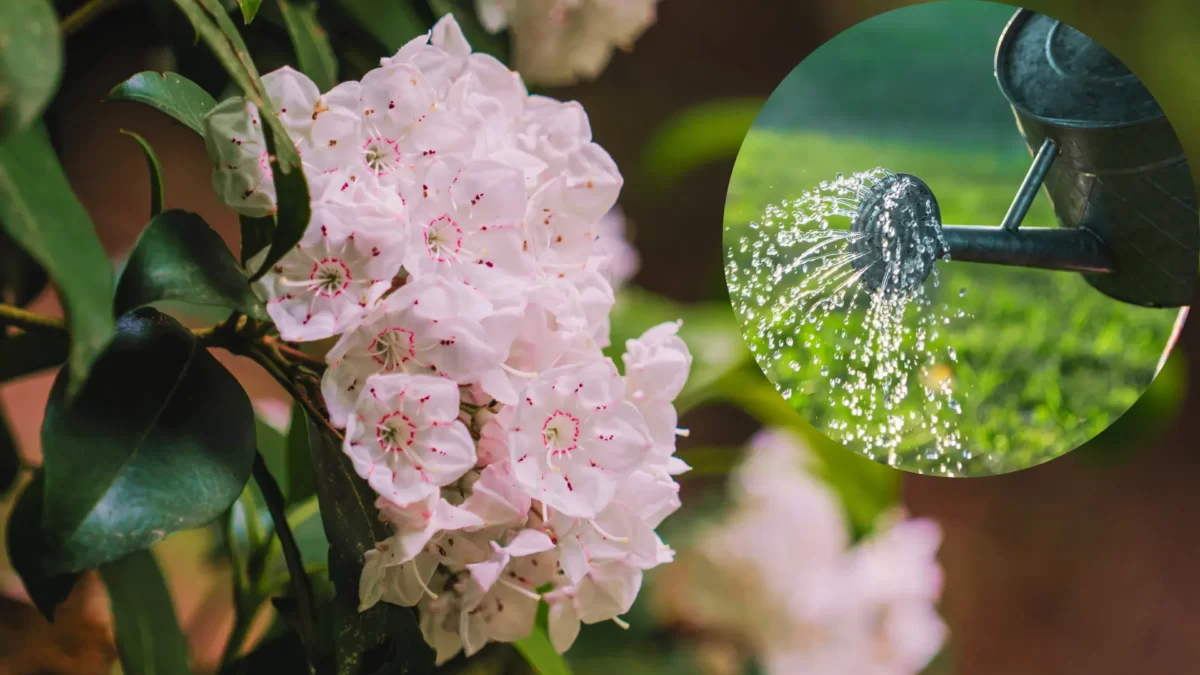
[[1045, 362]]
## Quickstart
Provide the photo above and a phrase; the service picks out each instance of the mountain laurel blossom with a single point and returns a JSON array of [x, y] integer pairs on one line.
[[560, 42], [806, 599], [462, 251]]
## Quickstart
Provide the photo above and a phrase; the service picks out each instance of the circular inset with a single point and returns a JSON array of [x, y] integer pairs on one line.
[[953, 349]]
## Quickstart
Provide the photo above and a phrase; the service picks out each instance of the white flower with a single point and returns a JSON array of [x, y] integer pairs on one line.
[[405, 438], [573, 437], [339, 270], [466, 213], [497, 498], [657, 363], [418, 523], [463, 249], [499, 599], [440, 621], [617, 533], [403, 584], [430, 327], [607, 592], [242, 178], [558, 42]]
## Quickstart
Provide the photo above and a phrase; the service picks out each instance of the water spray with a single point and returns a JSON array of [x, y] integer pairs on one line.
[[1112, 166]]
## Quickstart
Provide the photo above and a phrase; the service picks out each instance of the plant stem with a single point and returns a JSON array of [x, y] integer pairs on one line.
[[90, 10], [295, 355], [273, 368], [305, 606], [30, 321]]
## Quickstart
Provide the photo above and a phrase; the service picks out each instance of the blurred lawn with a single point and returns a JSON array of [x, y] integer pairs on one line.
[[1045, 362]]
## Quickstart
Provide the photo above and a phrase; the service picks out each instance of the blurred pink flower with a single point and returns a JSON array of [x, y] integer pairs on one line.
[[792, 585]]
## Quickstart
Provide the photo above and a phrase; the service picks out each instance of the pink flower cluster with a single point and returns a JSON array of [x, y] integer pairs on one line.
[[787, 578], [462, 252]]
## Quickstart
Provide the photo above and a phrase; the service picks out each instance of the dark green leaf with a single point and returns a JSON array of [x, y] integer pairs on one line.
[[314, 54], [147, 629], [179, 257], [468, 19], [294, 212], [10, 459], [256, 235], [42, 214], [249, 9], [31, 60], [161, 439], [21, 279], [272, 445], [27, 353], [539, 653], [300, 484], [391, 23], [170, 93], [157, 196], [384, 639]]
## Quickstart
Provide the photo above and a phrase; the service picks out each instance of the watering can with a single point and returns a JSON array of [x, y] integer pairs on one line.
[[1111, 164]]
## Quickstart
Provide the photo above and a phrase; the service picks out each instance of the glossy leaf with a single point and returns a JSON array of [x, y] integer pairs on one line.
[[314, 54], [31, 62], [249, 9], [697, 136], [539, 653], [179, 257], [10, 458], [301, 485], [385, 639], [21, 278], [169, 93], [157, 195], [27, 353], [391, 23], [42, 214], [256, 235], [161, 439], [272, 445], [149, 639]]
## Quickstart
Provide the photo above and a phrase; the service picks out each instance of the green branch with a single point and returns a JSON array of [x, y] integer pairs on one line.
[[30, 321]]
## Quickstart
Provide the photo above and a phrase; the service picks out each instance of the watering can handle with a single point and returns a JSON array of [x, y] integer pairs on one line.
[[1030, 186]]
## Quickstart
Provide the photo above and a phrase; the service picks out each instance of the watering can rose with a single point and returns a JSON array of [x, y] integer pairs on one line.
[[459, 249]]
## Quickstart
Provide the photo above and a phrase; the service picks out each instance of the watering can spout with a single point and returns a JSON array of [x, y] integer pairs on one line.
[[1112, 166]]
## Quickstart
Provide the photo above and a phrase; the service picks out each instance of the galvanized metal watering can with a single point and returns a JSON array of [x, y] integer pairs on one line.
[[1110, 162]]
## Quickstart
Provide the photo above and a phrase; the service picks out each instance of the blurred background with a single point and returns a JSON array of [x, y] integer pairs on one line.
[[1083, 564]]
